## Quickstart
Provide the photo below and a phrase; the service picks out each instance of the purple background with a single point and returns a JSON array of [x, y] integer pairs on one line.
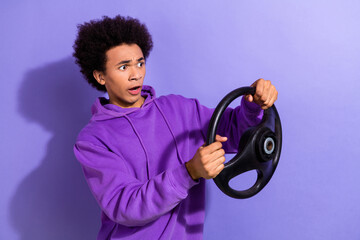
[[204, 49]]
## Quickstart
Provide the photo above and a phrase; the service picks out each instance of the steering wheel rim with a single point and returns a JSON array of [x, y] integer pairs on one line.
[[260, 148]]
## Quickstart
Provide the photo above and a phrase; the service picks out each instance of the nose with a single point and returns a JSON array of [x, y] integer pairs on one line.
[[135, 74]]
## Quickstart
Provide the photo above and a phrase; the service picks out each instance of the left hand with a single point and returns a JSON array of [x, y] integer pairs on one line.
[[266, 94]]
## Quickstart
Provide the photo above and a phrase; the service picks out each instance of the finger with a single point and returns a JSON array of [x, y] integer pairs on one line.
[[252, 96], [220, 161], [272, 96], [212, 168], [254, 83], [273, 99], [249, 98], [218, 169], [215, 162], [259, 89], [215, 145], [264, 107], [266, 92], [219, 138], [216, 155], [211, 148], [269, 95]]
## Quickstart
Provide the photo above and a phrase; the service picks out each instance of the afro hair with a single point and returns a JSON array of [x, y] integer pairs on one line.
[[96, 37]]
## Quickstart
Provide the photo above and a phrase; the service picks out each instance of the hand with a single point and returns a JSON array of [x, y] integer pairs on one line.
[[266, 94], [208, 161]]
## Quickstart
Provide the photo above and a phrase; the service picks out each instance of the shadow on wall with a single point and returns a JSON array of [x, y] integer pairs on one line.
[[53, 201]]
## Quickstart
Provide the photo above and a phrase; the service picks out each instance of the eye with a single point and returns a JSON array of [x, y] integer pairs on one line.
[[140, 64], [123, 67]]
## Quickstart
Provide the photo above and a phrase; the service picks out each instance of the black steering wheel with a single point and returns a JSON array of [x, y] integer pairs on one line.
[[259, 148]]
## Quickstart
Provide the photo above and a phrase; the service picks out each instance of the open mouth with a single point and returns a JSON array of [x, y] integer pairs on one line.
[[135, 90]]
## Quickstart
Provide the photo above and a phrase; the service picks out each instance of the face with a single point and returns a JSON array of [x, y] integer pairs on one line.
[[124, 75]]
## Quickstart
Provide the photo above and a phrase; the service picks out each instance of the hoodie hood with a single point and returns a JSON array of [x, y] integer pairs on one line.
[[103, 110]]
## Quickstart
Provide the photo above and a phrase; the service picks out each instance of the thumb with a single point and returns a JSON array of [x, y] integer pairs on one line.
[[219, 138], [249, 98]]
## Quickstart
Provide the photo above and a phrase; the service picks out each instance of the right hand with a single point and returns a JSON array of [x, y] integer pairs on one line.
[[208, 161]]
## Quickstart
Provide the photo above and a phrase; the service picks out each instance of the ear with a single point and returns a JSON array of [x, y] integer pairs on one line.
[[99, 76]]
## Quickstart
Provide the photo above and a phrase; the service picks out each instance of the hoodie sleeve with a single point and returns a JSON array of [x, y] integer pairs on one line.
[[233, 122], [122, 197]]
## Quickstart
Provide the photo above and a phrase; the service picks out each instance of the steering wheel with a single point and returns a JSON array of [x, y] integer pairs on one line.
[[259, 148]]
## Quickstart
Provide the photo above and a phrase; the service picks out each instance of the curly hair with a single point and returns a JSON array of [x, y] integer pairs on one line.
[[96, 37]]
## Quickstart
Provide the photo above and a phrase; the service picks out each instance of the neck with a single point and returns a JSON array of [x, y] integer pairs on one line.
[[137, 104]]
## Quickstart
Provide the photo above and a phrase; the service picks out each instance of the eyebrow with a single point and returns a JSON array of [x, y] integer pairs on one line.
[[128, 61]]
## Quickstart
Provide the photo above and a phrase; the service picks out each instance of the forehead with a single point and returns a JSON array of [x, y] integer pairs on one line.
[[124, 52]]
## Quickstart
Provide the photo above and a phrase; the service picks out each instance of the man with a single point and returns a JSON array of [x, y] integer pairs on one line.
[[143, 157]]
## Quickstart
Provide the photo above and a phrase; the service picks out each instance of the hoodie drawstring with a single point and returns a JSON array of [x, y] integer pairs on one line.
[[142, 145], [172, 133]]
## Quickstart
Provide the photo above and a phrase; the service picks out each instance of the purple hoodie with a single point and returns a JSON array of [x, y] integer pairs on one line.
[[134, 162]]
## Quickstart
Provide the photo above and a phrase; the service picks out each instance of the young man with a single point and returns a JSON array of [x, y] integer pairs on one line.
[[143, 157]]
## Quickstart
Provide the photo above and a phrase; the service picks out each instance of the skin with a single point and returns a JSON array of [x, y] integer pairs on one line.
[[208, 161], [265, 95], [125, 69]]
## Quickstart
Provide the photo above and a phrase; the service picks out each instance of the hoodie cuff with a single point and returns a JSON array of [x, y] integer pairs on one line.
[[251, 107], [181, 180]]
